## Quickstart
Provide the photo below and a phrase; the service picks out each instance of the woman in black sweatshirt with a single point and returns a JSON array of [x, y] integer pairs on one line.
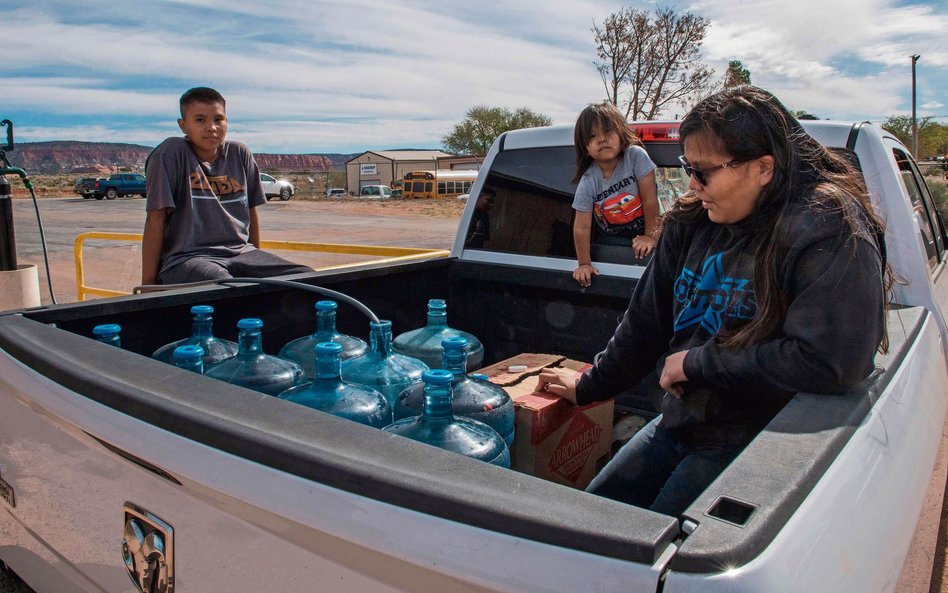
[[769, 279]]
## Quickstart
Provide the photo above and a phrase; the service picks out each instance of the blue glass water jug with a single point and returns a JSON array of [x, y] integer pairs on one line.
[[329, 393], [253, 369], [380, 368], [473, 398], [437, 426], [189, 357], [108, 333], [425, 343], [300, 350], [215, 349]]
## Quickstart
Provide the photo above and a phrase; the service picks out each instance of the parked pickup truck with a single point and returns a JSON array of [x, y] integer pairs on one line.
[[118, 185], [86, 186], [215, 488]]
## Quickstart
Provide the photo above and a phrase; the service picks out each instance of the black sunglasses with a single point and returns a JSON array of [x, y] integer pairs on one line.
[[701, 175]]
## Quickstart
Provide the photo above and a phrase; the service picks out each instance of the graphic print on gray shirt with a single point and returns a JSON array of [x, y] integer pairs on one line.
[[210, 202]]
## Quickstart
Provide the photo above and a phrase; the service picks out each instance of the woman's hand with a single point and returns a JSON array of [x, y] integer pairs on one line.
[[673, 374], [584, 273], [560, 382], [643, 245]]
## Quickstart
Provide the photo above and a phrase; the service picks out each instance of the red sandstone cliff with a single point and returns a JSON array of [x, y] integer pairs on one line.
[[103, 158]]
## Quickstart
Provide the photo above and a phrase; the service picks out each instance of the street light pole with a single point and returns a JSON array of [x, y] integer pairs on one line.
[[915, 58]]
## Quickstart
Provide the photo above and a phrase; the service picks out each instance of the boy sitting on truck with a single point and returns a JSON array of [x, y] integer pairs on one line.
[[202, 193]]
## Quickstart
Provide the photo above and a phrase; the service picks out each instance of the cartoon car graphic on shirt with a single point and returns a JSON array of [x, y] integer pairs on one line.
[[617, 213]]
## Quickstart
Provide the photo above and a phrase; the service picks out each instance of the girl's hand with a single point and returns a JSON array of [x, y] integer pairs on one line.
[[560, 382], [643, 245], [584, 273], [673, 374]]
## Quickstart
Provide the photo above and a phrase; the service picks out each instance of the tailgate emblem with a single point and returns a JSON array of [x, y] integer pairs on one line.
[[147, 550]]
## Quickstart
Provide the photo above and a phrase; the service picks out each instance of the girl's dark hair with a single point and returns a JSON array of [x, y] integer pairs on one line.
[[607, 118], [200, 94], [746, 123]]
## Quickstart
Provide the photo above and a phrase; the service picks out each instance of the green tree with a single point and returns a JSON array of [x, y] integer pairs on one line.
[[932, 136], [482, 125], [649, 62], [736, 74]]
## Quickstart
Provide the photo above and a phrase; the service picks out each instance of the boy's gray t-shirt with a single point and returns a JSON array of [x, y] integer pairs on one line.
[[210, 202], [615, 202]]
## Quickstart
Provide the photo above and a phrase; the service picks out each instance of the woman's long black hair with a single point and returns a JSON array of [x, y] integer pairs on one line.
[[746, 123]]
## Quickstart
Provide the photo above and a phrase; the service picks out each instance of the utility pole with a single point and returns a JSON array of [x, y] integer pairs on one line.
[[915, 58]]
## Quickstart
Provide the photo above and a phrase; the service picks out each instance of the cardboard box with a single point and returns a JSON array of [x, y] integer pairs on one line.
[[554, 439]]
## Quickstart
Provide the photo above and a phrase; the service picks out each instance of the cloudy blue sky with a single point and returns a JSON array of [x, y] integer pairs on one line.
[[353, 75]]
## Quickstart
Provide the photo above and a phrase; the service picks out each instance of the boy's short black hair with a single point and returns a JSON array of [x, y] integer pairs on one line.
[[200, 94]]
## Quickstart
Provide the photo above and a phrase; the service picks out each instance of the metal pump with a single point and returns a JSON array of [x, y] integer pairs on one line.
[[7, 237]]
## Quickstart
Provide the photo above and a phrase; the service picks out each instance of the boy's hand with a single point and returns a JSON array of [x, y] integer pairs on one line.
[[584, 273], [642, 246], [560, 382]]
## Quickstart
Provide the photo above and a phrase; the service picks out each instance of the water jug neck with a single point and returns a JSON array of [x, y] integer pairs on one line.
[[189, 357], [326, 317], [438, 401], [328, 366], [250, 342], [454, 360], [108, 334], [201, 327], [381, 336], [437, 313]]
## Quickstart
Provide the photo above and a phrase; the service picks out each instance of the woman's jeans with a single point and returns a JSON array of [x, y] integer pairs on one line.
[[657, 471]]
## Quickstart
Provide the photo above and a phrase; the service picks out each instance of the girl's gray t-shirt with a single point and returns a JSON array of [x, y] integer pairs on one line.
[[210, 202], [615, 202]]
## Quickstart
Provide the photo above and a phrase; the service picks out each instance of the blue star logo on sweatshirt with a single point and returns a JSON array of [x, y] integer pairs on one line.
[[709, 296]]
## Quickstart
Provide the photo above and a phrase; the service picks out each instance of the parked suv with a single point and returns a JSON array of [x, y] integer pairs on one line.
[[274, 187], [336, 192]]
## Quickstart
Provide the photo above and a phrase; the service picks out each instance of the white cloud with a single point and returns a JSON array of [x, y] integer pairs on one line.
[[376, 74]]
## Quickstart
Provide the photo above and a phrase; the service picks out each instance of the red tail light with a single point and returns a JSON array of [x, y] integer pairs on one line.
[[656, 132]]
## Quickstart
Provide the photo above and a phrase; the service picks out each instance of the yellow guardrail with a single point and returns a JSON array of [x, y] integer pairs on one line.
[[385, 254]]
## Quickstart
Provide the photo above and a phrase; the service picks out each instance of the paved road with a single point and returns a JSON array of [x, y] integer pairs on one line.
[[117, 265]]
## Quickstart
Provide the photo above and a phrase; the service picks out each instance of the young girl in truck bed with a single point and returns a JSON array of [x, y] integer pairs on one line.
[[616, 186]]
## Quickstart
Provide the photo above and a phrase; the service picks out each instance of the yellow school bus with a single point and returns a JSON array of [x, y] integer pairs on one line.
[[438, 184]]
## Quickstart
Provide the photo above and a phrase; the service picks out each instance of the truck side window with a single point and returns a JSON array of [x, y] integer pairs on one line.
[[929, 222]]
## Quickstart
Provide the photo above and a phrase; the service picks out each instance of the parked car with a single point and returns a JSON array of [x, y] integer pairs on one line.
[[274, 187], [336, 192], [86, 186], [396, 193], [375, 191]]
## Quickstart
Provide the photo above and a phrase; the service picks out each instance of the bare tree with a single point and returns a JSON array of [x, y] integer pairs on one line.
[[649, 62]]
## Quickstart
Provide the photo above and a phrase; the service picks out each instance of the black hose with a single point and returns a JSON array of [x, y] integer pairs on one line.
[[39, 222]]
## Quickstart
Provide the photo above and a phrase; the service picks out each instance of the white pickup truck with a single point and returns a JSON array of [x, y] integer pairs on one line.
[[214, 488]]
